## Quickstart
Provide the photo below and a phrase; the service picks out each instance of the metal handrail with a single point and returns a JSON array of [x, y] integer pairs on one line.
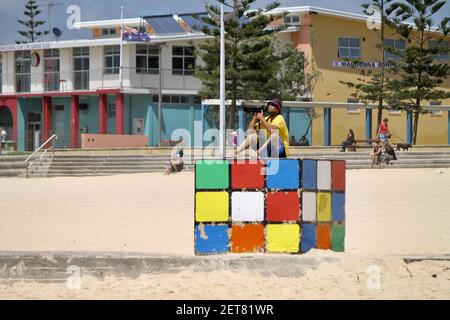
[[53, 137]]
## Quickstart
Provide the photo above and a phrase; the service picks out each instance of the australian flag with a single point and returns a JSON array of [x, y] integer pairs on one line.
[[131, 34]]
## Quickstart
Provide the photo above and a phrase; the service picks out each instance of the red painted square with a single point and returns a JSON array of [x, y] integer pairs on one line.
[[324, 236], [338, 175], [247, 175], [247, 238], [283, 206]]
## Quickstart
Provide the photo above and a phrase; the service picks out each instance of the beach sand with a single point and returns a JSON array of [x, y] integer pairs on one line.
[[390, 214]]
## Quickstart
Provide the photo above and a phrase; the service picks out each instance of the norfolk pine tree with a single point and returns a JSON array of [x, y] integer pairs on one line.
[[32, 34], [252, 66], [419, 75]]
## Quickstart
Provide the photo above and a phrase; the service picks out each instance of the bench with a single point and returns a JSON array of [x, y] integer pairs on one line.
[[355, 145]]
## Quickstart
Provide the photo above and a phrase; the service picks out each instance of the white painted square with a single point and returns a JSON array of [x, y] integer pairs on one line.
[[324, 175], [247, 206], [309, 206]]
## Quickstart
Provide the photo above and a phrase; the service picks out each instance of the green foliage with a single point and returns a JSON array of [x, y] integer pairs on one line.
[[31, 34], [419, 74], [253, 67]]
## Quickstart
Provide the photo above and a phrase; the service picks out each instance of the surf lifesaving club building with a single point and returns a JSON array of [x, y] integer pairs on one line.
[[77, 87]]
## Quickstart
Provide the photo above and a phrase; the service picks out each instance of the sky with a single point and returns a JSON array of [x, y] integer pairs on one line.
[[11, 10]]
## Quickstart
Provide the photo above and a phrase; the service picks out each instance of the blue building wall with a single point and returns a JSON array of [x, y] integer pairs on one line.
[[26, 105]]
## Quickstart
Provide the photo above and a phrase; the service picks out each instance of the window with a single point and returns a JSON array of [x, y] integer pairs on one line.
[[349, 48], [147, 59], [443, 45], [183, 61], [436, 112], [112, 59], [399, 45], [81, 68], [395, 112], [111, 110], [353, 110], [155, 98], [23, 71], [175, 99], [51, 70], [292, 20], [108, 32]]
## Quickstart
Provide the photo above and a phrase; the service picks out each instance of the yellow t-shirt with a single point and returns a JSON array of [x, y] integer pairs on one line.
[[280, 123]]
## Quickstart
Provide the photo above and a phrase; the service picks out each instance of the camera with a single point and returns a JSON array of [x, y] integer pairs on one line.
[[255, 109]]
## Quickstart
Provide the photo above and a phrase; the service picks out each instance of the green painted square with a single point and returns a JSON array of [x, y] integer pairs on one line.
[[212, 174], [338, 237]]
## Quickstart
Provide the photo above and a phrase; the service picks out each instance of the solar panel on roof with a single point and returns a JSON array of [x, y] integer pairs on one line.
[[196, 24], [165, 25]]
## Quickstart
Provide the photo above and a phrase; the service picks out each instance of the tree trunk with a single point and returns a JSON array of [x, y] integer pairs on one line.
[[415, 126]]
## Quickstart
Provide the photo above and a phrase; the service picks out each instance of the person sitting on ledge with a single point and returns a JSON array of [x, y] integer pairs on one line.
[[277, 134]]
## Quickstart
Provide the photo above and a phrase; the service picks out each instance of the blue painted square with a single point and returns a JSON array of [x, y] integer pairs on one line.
[[338, 206], [308, 237], [309, 174], [286, 177], [216, 242]]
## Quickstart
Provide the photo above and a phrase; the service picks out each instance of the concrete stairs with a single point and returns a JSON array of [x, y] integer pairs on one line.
[[110, 162]]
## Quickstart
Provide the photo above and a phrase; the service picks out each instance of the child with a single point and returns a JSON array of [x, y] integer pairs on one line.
[[375, 155]]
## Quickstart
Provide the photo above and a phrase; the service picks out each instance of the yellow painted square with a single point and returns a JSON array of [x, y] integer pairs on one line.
[[323, 207], [283, 238], [211, 206]]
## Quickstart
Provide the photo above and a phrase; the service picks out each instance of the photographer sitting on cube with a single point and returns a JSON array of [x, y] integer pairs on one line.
[[276, 138]]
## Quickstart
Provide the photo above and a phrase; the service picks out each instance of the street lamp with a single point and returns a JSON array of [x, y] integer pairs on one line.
[[221, 19]]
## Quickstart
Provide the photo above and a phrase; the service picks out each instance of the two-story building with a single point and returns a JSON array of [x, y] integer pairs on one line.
[[77, 86]]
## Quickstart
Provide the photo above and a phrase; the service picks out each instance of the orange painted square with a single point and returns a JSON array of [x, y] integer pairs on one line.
[[324, 236], [247, 238]]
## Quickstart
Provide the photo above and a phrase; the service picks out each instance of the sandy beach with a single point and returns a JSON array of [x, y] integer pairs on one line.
[[391, 214]]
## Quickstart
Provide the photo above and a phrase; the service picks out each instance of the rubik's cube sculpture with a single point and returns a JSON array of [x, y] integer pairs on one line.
[[275, 206]]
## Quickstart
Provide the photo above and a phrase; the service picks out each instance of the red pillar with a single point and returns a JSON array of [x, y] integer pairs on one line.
[[47, 115], [74, 121], [120, 113], [12, 105], [102, 116]]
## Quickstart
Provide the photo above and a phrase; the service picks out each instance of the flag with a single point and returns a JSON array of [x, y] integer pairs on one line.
[[132, 34]]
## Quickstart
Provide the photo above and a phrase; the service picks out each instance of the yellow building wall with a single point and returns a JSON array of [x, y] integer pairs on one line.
[[342, 121], [325, 32], [433, 129]]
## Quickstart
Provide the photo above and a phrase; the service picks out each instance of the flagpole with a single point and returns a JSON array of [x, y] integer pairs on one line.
[[121, 48]]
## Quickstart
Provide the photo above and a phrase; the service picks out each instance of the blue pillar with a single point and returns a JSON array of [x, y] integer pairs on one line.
[[448, 127], [203, 114], [327, 126], [408, 127], [191, 124], [368, 125]]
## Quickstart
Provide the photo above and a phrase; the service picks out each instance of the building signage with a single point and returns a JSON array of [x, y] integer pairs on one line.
[[25, 46], [350, 64]]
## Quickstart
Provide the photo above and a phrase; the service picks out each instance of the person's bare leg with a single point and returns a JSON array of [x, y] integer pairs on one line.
[[250, 140]]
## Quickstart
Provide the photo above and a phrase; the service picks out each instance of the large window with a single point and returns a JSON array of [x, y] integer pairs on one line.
[[108, 32], [112, 60], [51, 70], [147, 59], [349, 48], [445, 45], [23, 71], [81, 68], [292, 20], [183, 60], [398, 45]]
